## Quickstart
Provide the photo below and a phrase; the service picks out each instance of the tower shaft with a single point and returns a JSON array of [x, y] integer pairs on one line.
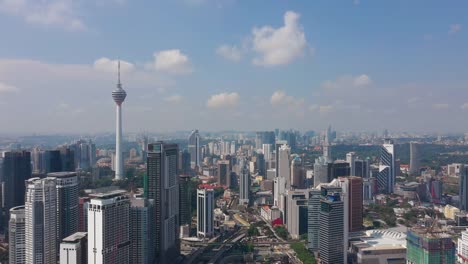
[[118, 142]]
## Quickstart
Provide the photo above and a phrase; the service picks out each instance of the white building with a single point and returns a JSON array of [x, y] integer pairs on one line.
[[16, 235], [73, 249], [205, 208], [41, 221], [463, 247], [109, 228], [387, 168]]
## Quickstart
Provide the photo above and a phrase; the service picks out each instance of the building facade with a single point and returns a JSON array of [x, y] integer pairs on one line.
[[387, 168], [141, 231], [205, 213], [73, 249], [17, 235]]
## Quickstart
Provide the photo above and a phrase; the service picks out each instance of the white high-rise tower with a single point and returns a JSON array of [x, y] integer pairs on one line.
[[118, 95]]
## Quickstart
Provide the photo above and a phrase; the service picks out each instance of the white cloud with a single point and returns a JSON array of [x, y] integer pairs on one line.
[[59, 13], [107, 65], [232, 53], [227, 100], [281, 98], [347, 82], [440, 106], [175, 99], [281, 45], [454, 28], [5, 88], [172, 61]]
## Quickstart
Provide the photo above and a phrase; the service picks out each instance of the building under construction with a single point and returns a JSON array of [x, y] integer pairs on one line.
[[429, 246]]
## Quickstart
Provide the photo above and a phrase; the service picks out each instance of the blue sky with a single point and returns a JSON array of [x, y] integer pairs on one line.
[[230, 64]]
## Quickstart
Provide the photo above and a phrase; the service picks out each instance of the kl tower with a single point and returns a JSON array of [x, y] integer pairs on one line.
[[118, 95]]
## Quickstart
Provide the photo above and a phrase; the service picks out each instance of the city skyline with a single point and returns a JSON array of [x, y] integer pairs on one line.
[[237, 71]]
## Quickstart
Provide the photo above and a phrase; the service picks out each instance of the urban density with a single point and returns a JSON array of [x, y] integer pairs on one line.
[[309, 165]]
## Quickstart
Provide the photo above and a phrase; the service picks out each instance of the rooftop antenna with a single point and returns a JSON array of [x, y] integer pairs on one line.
[[118, 74]]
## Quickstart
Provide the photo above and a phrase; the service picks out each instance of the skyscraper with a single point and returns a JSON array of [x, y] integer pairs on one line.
[[74, 249], [386, 176], [353, 192], [297, 174], [109, 228], [17, 235], [264, 137], [314, 219], [16, 170], [205, 217], [67, 203], [331, 233], [284, 164], [415, 159], [224, 173], [244, 179], [119, 96], [41, 221], [194, 149], [426, 247], [161, 185], [185, 200], [297, 212], [350, 158], [463, 188], [142, 231]]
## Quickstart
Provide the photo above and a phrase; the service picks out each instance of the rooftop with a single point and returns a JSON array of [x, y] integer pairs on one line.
[[109, 194], [75, 237], [61, 174]]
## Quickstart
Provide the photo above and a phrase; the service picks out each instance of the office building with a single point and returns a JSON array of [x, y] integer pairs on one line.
[[331, 234], [463, 188], [109, 228], [17, 235], [205, 213], [297, 212], [141, 231], [184, 162], [415, 159], [119, 96], [351, 158], [278, 145], [83, 203], [353, 192], [264, 137], [224, 173], [361, 168], [428, 245], [162, 186], [41, 221], [387, 167], [73, 249], [313, 219], [67, 203], [67, 158], [244, 179], [194, 149], [338, 169], [297, 174], [268, 151], [16, 170], [320, 171], [185, 200], [462, 247]]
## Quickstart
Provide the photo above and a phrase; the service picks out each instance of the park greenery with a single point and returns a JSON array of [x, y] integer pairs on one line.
[[302, 253]]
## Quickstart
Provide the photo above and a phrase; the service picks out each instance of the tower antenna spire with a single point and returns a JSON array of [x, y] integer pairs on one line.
[[118, 74]]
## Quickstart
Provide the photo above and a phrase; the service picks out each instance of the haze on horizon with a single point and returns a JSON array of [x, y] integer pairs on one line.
[[234, 65]]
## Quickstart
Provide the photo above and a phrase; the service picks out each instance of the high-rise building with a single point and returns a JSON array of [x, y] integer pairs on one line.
[[73, 249], [353, 192], [361, 168], [297, 174], [109, 228], [429, 246], [351, 158], [67, 203], [320, 171], [297, 212], [244, 179], [119, 96], [41, 221], [338, 169], [462, 247], [224, 173], [17, 235], [205, 215], [184, 162], [194, 149], [161, 185], [16, 170], [67, 157], [331, 233], [313, 219], [463, 188], [387, 174], [278, 145], [264, 137], [415, 159], [142, 231], [83, 203], [185, 200]]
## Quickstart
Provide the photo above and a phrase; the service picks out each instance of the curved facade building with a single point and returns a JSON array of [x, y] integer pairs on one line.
[[415, 159]]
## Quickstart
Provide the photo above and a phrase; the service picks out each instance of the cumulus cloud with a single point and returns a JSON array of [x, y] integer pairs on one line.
[[229, 52], [276, 46], [172, 61], [5, 88], [107, 65], [454, 29], [281, 98], [174, 99], [59, 13], [348, 81], [227, 100], [440, 106]]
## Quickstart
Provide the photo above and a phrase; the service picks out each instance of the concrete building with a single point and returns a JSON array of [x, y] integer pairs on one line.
[[141, 231], [41, 221], [426, 246], [17, 235], [351, 158], [194, 149], [297, 174], [109, 228], [387, 168], [463, 188], [320, 171], [244, 182], [185, 200], [415, 159], [297, 212], [264, 137], [380, 247], [119, 96], [313, 219], [205, 215], [162, 186], [462, 248], [73, 249], [224, 173], [270, 213], [353, 192]]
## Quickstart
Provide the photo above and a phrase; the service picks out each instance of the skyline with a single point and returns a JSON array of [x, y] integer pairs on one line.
[[236, 67]]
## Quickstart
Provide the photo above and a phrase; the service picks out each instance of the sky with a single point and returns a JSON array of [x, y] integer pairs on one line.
[[359, 65]]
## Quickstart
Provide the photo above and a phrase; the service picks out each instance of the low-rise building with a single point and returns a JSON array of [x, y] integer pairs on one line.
[[380, 247]]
